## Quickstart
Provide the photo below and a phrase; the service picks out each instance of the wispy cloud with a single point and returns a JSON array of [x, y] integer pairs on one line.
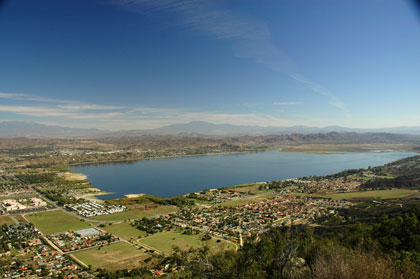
[[250, 37], [63, 104], [212, 117], [173, 116], [42, 111], [88, 107], [287, 103], [332, 99], [26, 97], [49, 107], [201, 15], [34, 111], [249, 105]]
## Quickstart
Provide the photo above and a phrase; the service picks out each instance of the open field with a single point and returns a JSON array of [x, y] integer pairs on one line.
[[238, 202], [253, 188], [6, 220], [19, 218], [377, 194], [74, 176], [124, 230], [136, 213], [112, 257], [255, 198], [56, 221], [24, 196], [199, 202], [333, 148], [163, 242]]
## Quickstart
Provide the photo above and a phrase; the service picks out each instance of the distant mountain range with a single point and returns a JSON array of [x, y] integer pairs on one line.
[[9, 129], [206, 128]]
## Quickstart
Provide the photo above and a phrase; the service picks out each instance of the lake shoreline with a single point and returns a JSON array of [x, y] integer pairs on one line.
[[345, 148], [162, 157], [173, 178]]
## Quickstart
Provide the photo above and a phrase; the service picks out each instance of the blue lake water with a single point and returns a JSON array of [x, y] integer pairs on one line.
[[178, 176]]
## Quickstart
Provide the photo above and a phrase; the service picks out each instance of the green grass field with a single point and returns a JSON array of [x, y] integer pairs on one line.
[[124, 230], [115, 256], [56, 221], [377, 194], [136, 214], [237, 202], [164, 242]]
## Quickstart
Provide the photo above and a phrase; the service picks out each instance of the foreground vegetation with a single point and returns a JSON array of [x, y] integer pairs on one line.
[[387, 249]]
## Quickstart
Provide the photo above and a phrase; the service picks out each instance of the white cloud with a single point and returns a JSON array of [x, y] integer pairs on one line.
[[34, 111], [55, 112], [88, 107], [185, 117], [63, 104], [15, 96], [26, 97], [110, 117]]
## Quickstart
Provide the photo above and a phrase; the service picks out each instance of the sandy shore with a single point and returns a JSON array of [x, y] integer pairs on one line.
[[91, 194], [134, 195]]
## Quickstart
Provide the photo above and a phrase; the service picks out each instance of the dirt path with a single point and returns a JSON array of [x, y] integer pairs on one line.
[[14, 219]]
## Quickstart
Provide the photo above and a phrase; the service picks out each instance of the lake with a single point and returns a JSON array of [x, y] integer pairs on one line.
[[171, 177]]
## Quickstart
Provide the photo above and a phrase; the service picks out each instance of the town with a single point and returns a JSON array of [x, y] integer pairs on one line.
[[13, 206], [90, 209], [252, 218], [25, 254], [53, 223]]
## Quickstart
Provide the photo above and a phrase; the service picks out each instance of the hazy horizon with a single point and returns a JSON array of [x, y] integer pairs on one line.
[[204, 124]]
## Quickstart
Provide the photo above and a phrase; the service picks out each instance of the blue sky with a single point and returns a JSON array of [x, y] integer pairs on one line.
[[140, 64]]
